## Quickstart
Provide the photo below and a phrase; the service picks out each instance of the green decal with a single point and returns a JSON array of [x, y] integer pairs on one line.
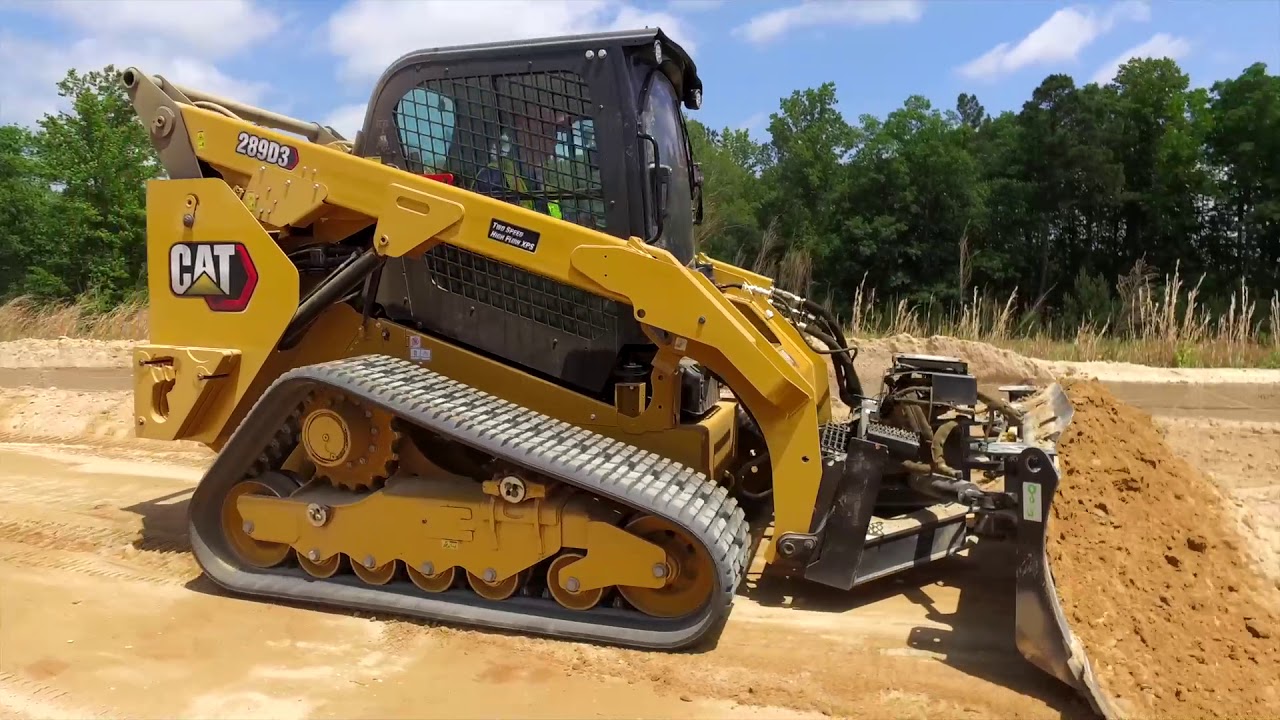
[[1031, 499]]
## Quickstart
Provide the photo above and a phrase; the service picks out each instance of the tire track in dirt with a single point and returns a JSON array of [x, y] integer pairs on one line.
[[86, 548], [179, 453], [106, 529], [23, 556], [25, 699]]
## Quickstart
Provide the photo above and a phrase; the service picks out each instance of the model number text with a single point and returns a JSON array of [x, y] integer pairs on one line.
[[260, 148]]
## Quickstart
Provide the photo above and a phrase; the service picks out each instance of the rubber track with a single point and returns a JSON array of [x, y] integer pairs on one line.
[[640, 479]]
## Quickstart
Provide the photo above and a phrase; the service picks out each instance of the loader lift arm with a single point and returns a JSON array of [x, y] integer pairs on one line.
[[268, 339]]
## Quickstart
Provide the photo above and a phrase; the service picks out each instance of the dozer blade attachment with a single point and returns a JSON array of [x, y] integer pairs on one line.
[[1047, 414], [1042, 633]]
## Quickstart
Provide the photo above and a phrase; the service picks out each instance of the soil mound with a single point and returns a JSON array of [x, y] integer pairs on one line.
[[1154, 577], [988, 363]]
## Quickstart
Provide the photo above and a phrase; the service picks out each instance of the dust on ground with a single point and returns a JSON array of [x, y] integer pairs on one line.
[[1153, 576]]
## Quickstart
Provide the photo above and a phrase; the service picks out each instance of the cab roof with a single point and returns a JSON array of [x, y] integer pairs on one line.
[[690, 85]]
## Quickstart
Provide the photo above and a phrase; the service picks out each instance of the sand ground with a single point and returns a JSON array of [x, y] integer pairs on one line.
[[103, 613]]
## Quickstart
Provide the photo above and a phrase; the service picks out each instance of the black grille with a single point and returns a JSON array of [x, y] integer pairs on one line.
[[522, 293], [833, 438], [528, 139]]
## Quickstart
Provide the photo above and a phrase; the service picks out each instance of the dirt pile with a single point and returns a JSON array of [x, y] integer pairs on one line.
[[986, 362], [1153, 575]]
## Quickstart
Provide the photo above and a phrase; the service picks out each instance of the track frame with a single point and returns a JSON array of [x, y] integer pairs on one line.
[[640, 480]]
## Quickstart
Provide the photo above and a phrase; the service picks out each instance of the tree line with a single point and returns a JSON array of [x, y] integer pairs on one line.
[[1059, 204], [1082, 192]]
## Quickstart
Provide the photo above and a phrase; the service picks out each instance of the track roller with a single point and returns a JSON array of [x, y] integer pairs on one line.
[[255, 552], [688, 570], [321, 569], [565, 588], [372, 573], [496, 589], [434, 582]]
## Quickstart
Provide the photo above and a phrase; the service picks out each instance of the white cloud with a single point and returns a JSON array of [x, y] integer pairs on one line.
[[1160, 45], [692, 6], [811, 13], [211, 28], [28, 90], [347, 119], [180, 41], [1058, 39], [369, 35]]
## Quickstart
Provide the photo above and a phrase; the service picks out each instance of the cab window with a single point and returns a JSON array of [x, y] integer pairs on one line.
[[426, 122], [660, 118]]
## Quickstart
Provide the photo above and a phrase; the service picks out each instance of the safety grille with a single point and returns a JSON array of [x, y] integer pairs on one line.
[[528, 139], [833, 438], [522, 293]]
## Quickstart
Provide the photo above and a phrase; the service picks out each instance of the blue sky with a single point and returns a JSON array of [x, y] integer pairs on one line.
[[318, 58]]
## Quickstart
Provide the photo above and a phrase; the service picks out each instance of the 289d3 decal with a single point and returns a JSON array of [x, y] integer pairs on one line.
[[260, 148]]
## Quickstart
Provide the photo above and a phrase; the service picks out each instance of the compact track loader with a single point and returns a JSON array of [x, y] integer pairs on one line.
[[470, 367]]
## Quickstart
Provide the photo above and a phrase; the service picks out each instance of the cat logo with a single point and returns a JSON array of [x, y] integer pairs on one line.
[[221, 273]]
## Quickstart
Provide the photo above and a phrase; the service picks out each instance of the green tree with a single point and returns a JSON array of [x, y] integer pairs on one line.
[[99, 156], [1243, 155], [26, 203], [914, 197], [730, 162]]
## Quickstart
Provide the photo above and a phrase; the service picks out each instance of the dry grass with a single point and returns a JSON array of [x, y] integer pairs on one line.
[[1160, 324], [23, 318]]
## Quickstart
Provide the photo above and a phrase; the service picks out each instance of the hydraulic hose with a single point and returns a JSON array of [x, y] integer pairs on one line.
[[851, 384], [833, 326]]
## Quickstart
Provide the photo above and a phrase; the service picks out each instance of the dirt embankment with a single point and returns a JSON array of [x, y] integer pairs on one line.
[[67, 353], [1153, 576]]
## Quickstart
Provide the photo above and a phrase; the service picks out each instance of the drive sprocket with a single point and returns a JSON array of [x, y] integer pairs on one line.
[[353, 446]]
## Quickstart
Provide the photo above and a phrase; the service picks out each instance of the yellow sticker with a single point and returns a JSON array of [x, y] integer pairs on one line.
[[200, 140], [449, 544]]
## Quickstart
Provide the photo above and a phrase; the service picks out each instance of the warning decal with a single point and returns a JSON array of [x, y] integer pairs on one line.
[[513, 235]]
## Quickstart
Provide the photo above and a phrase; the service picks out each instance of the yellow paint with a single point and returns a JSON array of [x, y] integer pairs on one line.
[[477, 532], [762, 359], [184, 329]]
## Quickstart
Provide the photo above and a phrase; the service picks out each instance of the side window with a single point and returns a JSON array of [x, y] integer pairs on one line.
[[525, 138], [578, 166], [425, 119], [551, 163], [661, 119]]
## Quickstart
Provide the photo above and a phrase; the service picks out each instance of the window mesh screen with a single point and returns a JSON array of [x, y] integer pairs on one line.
[[528, 139], [518, 292]]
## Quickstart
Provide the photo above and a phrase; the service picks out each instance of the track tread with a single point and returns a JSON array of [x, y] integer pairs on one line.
[[647, 482]]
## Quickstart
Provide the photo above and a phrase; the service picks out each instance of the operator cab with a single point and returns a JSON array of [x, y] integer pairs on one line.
[[586, 128]]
